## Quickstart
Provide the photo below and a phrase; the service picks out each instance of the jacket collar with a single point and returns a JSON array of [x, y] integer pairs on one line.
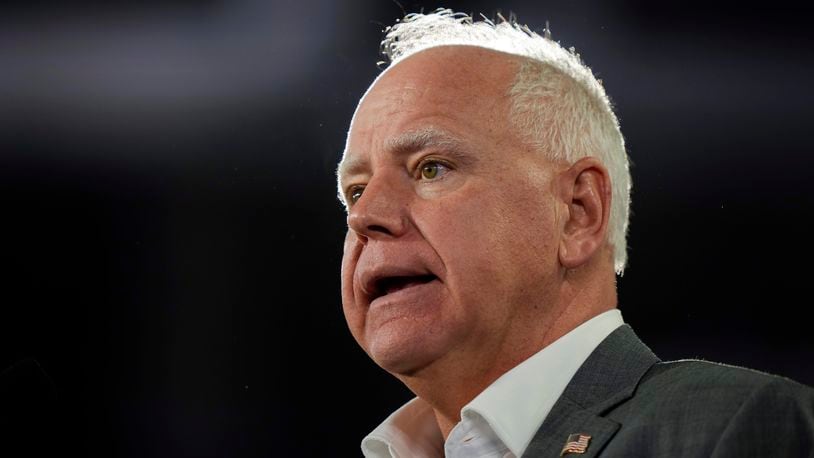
[[608, 377]]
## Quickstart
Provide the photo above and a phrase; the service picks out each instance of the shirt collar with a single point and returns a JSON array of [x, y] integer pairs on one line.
[[514, 405], [409, 431]]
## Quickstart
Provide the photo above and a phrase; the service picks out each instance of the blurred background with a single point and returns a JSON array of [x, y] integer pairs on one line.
[[171, 239]]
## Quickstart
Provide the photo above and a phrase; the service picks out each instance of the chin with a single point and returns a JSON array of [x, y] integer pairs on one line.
[[405, 355]]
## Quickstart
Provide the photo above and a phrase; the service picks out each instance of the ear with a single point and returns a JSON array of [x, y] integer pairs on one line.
[[586, 192]]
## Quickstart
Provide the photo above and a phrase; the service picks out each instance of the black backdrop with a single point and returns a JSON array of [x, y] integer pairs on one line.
[[171, 239]]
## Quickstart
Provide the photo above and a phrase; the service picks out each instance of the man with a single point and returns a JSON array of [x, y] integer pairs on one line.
[[487, 189]]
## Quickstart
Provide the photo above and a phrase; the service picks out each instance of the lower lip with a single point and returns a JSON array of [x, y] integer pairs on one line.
[[413, 300]]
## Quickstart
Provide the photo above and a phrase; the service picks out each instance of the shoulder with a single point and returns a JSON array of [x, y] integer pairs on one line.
[[705, 379], [716, 409], [693, 387]]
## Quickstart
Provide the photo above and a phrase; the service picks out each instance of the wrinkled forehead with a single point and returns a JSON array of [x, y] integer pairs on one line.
[[454, 78]]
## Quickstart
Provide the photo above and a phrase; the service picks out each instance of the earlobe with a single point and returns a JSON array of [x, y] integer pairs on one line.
[[587, 198]]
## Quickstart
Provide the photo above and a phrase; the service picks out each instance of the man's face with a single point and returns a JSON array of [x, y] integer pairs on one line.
[[452, 238]]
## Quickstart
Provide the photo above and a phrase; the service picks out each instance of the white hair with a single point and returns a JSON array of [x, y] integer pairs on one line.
[[556, 100]]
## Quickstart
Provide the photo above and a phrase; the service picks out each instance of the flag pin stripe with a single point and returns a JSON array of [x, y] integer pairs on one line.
[[576, 443]]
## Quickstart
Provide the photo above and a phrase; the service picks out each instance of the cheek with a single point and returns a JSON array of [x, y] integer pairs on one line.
[[493, 242], [473, 225], [349, 258], [465, 234], [354, 316]]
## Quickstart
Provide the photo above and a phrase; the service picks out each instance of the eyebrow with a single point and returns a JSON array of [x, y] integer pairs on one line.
[[406, 143]]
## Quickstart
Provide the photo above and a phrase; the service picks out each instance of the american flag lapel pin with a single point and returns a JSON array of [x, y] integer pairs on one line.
[[576, 443]]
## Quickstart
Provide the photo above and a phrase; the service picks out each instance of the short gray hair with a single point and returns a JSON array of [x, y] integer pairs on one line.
[[576, 120]]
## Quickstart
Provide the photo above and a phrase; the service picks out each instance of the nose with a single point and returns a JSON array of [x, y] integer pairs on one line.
[[380, 211]]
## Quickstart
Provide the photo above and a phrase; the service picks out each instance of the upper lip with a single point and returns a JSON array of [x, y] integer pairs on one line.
[[373, 282]]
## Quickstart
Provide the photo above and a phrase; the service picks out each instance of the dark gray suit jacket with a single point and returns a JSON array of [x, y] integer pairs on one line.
[[632, 404]]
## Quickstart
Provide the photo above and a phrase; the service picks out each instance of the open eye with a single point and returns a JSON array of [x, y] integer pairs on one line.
[[431, 170], [355, 193]]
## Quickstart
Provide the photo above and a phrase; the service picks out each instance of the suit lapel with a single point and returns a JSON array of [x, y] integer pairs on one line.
[[570, 419], [608, 377]]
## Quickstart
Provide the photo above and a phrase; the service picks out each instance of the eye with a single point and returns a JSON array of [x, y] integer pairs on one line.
[[355, 193], [430, 170]]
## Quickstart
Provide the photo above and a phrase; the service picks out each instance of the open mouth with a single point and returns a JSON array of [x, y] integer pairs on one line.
[[389, 285]]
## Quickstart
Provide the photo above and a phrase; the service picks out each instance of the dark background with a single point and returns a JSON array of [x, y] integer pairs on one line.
[[171, 239]]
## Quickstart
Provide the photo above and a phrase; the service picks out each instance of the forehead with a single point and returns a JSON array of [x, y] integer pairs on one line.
[[452, 91], [447, 74]]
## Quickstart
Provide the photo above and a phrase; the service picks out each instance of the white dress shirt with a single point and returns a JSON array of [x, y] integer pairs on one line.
[[501, 421]]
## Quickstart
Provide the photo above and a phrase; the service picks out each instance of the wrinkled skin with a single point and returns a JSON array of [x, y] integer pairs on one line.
[[471, 218]]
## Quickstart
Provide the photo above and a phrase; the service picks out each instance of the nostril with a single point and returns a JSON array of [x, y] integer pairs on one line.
[[378, 228]]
